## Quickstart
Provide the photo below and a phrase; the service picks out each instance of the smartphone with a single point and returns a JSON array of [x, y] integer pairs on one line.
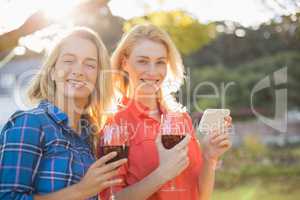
[[213, 119]]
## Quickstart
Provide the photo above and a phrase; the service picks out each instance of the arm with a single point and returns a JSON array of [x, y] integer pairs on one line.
[[69, 193], [207, 175], [97, 178], [20, 153], [206, 179], [143, 189], [215, 145], [171, 163]]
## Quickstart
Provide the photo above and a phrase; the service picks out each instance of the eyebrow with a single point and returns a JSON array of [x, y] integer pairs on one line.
[[89, 58], [68, 54], [148, 57]]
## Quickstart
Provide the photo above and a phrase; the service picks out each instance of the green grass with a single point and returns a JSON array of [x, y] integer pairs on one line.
[[258, 189], [255, 172]]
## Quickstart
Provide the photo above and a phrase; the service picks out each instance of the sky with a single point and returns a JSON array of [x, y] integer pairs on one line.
[[13, 13], [246, 12]]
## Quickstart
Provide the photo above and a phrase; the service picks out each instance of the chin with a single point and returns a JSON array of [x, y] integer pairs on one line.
[[148, 93], [148, 90], [77, 94]]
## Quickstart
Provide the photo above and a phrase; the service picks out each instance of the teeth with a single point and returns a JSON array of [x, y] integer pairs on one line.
[[150, 81], [76, 84]]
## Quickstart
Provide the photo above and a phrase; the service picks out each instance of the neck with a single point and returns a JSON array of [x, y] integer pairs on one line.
[[74, 108], [151, 102]]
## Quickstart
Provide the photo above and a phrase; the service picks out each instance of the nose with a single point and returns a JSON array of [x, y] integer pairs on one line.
[[77, 69], [152, 69]]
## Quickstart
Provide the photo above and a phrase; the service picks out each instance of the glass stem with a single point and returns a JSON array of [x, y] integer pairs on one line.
[[112, 195]]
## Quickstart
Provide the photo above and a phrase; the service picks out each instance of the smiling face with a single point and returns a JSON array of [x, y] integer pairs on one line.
[[76, 68], [146, 66]]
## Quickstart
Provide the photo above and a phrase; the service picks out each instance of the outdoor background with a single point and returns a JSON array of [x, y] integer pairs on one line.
[[237, 42]]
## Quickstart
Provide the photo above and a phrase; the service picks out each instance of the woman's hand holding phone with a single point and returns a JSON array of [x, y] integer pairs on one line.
[[215, 124]]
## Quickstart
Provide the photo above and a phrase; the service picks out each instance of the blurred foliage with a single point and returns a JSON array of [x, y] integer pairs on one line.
[[242, 80], [253, 146], [186, 31], [229, 49], [255, 171], [254, 160]]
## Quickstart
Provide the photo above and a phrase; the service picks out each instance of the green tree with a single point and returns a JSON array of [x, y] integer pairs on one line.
[[188, 34]]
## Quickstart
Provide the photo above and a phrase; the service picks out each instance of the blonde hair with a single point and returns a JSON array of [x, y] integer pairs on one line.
[[175, 68], [43, 87]]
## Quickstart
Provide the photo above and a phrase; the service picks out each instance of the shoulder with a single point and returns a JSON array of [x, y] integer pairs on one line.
[[32, 117], [24, 124], [22, 133], [124, 114]]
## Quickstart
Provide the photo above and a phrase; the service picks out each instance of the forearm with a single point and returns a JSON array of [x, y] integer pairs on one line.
[[69, 193], [207, 179], [142, 189]]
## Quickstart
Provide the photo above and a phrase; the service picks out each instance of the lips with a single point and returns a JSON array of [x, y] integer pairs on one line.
[[76, 83], [150, 81]]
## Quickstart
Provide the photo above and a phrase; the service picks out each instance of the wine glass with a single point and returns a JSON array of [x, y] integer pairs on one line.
[[114, 139], [173, 130]]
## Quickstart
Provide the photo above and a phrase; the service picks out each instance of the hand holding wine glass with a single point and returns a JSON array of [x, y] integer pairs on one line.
[[114, 139], [172, 145], [98, 176], [172, 161]]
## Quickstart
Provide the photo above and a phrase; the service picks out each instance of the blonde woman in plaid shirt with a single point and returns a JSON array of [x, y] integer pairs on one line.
[[47, 152]]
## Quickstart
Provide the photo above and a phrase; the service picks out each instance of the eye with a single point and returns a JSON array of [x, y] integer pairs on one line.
[[68, 61], [161, 62], [142, 61], [91, 66]]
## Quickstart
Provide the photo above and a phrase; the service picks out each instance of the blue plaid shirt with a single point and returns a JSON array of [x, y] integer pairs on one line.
[[39, 153]]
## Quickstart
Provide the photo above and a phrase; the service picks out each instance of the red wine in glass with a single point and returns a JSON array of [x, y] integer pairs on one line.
[[122, 152], [172, 130], [169, 141]]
